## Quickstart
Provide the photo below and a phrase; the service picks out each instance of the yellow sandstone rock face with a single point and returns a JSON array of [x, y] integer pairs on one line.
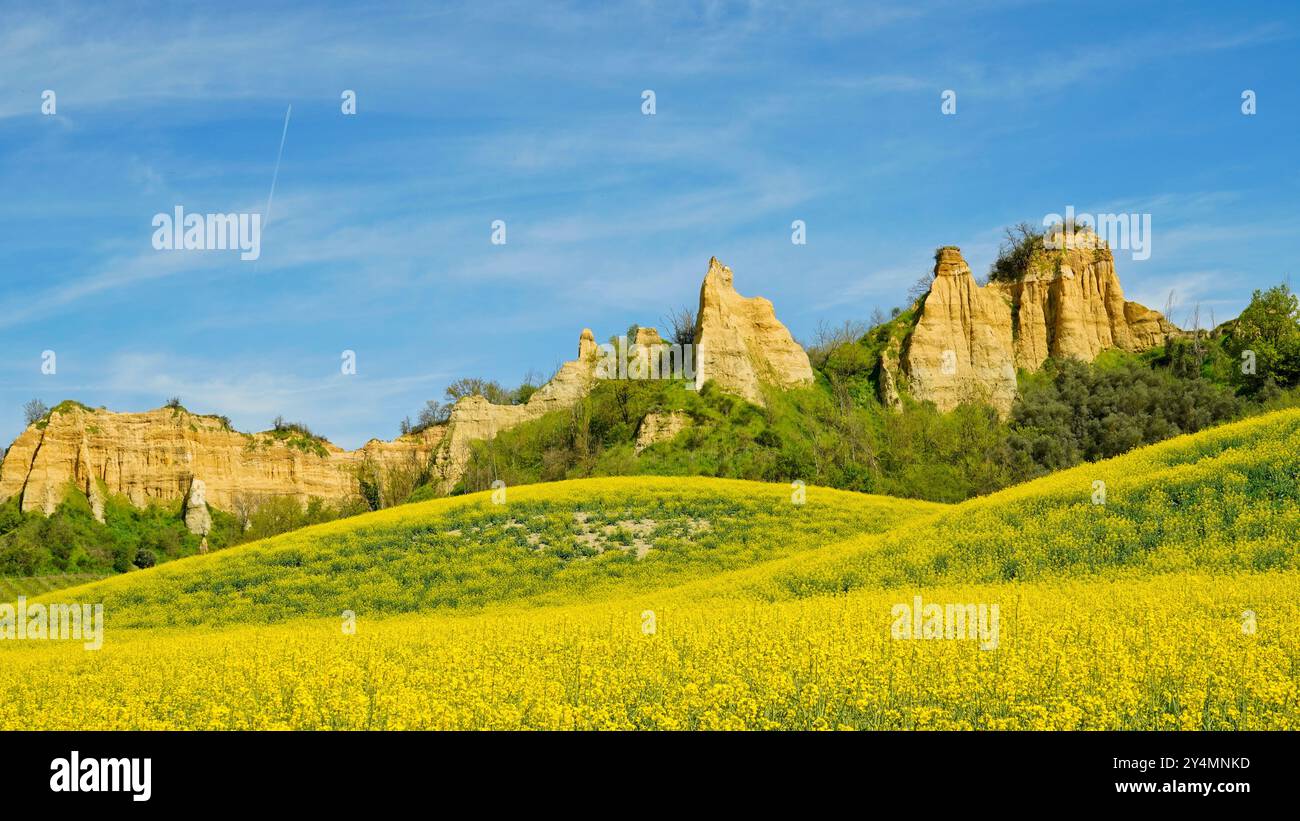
[[475, 418], [740, 344], [197, 516], [1070, 304], [645, 348], [660, 427], [164, 455], [648, 337], [969, 340], [961, 348]]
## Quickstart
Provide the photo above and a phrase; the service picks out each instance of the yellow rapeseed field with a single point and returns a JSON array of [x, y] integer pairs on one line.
[[1164, 597], [557, 543], [1164, 653]]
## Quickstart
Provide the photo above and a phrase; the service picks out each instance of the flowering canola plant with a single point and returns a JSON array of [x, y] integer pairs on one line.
[[1164, 598]]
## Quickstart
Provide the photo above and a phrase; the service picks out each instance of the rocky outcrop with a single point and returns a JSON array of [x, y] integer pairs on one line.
[[887, 375], [197, 516], [960, 348], [1068, 303], [740, 344], [968, 341], [475, 418], [658, 427], [175, 457], [648, 337], [168, 454], [646, 353]]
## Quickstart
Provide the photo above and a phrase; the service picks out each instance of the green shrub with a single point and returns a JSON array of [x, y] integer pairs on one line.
[[1264, 342]]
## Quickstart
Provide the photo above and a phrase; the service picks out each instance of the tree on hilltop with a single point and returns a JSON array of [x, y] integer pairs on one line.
[[34, 411]]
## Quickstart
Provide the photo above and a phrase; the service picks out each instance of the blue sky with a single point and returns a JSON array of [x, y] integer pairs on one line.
[[379, 236]]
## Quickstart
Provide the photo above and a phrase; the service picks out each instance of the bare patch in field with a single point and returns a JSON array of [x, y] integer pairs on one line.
[[587, 535]]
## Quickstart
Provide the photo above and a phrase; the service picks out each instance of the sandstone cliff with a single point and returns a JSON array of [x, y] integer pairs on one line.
[[1069, 303], [168, 454], [961, 347], [475, 418], [740, 344], [968, 340]]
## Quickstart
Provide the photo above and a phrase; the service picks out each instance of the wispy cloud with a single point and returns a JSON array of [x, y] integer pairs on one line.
[[474, 111]]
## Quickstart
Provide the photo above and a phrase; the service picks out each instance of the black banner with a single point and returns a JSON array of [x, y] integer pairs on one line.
[[141, 772]]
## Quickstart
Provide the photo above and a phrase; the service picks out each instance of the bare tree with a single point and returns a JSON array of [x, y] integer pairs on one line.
[[433, 413], [245, 506], [681, 325], [474, 386], [828, 338], [399, 478], [1170, 303], [919, 288], [1019, 243], [1195, 322], [34, 411]]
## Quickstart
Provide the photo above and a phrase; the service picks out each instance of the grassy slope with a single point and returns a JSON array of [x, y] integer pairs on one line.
[[1222, 500], [466, 552], [1125, 615], [1227, 499], [13, 586]]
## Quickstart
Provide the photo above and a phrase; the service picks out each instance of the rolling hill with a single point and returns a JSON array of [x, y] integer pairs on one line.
[[1167, 604], [551, 543]]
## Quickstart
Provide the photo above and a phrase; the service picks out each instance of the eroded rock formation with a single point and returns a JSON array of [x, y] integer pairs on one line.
[[961, 346], [475, 418], [646, 353], [1069, 303], [660, 427], [740, 344], [169, 454], [968, 341], [197, 516]]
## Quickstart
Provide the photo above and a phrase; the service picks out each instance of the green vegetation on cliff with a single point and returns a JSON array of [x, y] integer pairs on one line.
[[837, 433]]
